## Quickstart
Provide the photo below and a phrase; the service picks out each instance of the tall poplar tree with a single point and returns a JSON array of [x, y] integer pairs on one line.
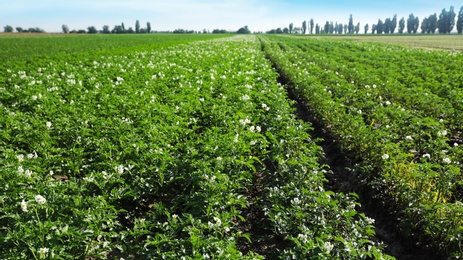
[[460, 21], [351, 25], [137, 26], [401, 25]]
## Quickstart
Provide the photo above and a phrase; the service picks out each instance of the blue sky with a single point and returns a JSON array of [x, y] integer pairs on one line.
[[259, 15]]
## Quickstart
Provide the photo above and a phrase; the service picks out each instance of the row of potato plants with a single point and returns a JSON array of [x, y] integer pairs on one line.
[[401, 147], [426, 82], [153, 154]]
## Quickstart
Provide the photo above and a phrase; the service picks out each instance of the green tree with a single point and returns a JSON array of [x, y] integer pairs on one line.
[[285, 30], [8, 29], [148, 27], [412, 23], [243, 30], [291, 26], [379, 27], [19, 29], [123, 28], [326, 29], [460, 21], [425, 26], [339, 28], [387, 27], [357, 28], [366, 28], [137, 26], [401, 25], [65, 28], [311, 26], [317, 29], [304, 27], [106, 29], [432, 23], [446, 21], [92, 30], [118, 29], [351, 25], [394, 24]]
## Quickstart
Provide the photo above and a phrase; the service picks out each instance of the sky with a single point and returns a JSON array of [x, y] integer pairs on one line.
[[164, 15]]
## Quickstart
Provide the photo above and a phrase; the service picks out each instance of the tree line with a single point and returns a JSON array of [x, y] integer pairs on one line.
[[444, 24], [121, 29]]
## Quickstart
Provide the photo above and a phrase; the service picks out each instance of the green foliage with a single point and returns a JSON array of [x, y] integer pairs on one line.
[[401, 125], [244, 30], [137, 26], [446, 20], [8, 29], [65, 28]]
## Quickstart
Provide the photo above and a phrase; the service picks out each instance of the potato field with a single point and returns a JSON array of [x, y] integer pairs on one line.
[[194, 147]]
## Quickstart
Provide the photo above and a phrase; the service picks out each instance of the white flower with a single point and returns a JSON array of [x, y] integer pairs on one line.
[[385, 156], [20, 157], [328, 247], [235, 140], [28, 173], [455, 144], [24, 206], [408, 137], [265, 107], [219, 158], [34, 97], [48, 125], [447, 160], [201, 99], [43, 250], [40, 199], [120, 169], [426, 155], [20, 170], [442, 133], [258, 129], [218, 221], [252, 128], [245, 98]]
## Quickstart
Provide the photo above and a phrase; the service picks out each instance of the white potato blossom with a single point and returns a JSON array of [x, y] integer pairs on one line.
[[48, 125], [408, 137], [385, 156], [40, 199], [24, 206], [426, 155], [28, 173], [120, 169], [20, 170], [43, 250], [20, 157], [442, 133], [265, 107], [447, 160]]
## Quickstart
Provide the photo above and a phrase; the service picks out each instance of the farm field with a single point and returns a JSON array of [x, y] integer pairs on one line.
[[396, 112], [188, 147], [434, 42]]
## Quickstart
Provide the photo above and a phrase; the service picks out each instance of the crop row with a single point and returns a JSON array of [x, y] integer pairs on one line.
[[403, 134], [166, 154]]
